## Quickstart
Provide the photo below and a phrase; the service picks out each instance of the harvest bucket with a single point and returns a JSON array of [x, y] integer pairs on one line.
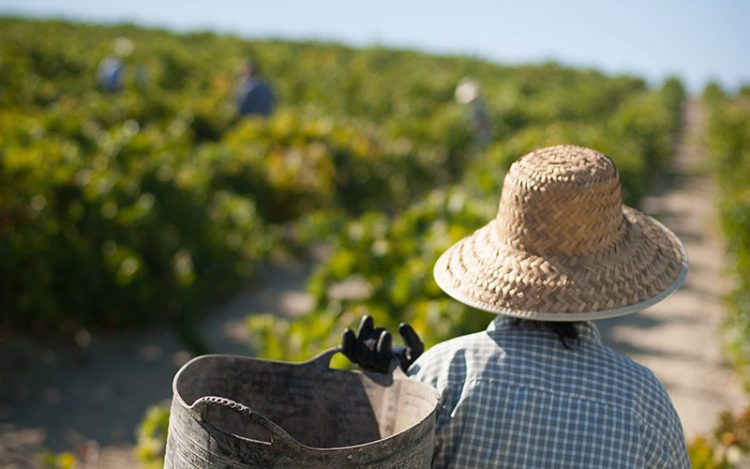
[[239, 412]]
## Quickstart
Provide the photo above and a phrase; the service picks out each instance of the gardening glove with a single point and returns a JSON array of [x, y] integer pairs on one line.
[[372, 347], [413, 346]]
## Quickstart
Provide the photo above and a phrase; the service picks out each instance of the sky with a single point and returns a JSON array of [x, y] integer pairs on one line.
[[698, 41]]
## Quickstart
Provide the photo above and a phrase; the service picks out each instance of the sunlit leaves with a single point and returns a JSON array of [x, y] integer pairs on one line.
[[729, 143]]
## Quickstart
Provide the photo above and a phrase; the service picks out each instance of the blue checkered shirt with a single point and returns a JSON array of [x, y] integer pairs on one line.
[[514, 396]]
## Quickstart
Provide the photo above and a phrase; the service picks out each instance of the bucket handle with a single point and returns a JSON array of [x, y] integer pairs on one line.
[[278, 434], [323, 360]]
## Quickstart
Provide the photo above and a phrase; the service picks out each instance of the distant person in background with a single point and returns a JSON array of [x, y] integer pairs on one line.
[[254, 95], [111, 74], [468, 94], [112, 69]]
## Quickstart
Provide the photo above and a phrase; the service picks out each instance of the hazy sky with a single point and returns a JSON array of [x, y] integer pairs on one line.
[[695, 40]]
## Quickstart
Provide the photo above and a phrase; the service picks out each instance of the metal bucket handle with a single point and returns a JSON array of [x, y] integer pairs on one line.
[[278, 434]]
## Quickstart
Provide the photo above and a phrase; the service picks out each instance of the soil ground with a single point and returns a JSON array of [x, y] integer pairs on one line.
[[59, 395], [56, 395]]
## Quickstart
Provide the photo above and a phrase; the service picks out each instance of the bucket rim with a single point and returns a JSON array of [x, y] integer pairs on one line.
[[315, 361]]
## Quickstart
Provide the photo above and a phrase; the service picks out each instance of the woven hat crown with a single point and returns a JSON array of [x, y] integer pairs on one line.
[[561, 200], [563, 247]]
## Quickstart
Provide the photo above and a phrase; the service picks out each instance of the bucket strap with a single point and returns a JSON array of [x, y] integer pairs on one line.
[[278, 434]]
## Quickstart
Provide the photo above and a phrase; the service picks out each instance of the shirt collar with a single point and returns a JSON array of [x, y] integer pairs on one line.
[[587, 330]]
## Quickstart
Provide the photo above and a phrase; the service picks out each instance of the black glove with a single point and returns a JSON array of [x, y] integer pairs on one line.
[[372, 348], [413, 346]]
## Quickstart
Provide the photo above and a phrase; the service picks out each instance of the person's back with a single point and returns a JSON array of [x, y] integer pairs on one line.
[[254, 95], [110, 74], [515, 396], [256, 98]]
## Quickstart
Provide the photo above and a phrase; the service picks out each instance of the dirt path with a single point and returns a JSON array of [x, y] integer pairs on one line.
[[56, 395], [680, 338]]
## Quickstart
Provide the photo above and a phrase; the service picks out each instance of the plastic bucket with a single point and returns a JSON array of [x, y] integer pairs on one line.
[[238, 412]]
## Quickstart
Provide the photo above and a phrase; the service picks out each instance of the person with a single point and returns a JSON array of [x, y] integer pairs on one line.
[[254, 95], [111, 74], [539, 388], [111, 69], [468, 93]]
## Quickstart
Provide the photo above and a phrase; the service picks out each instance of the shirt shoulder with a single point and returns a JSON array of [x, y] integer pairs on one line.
[[450, 361], [591, 371]]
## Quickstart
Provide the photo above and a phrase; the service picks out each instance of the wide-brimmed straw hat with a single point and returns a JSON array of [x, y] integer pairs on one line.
[[563, 247]]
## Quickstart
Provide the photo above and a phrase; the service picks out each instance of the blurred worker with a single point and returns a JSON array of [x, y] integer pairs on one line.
[[112, 69], [539, 388], [111, 74], [254, 95], [468, 94]]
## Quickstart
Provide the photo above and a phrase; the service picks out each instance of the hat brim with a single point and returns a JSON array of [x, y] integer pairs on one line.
[[643, 268]]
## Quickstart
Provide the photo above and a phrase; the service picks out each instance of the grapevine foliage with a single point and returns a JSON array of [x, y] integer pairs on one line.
[[729, 143], [147, 205]]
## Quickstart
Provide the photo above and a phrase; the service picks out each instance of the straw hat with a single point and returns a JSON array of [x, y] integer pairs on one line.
[[562, 246]]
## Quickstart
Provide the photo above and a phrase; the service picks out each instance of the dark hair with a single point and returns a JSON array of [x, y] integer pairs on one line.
[[566, 331]]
